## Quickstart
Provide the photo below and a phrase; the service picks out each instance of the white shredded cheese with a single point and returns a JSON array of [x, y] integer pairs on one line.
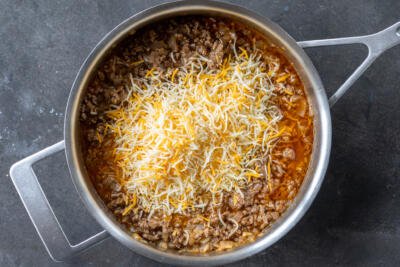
[[185, 137]]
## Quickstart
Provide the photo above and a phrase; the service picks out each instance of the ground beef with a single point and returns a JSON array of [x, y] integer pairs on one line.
[[243, 216], [289, 153]]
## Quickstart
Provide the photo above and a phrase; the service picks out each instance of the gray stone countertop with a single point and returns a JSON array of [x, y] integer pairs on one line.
[[355, 219]]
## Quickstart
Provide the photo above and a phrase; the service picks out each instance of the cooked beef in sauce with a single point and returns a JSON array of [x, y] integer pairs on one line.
[[241, 218]]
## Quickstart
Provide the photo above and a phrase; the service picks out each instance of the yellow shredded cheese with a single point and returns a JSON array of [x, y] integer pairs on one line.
[[184, 139], [283, 78]]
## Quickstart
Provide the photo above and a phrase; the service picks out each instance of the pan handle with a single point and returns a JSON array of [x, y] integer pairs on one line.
[[40, 211], [376, 43]]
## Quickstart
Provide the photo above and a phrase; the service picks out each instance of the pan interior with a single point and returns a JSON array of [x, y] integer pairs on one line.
[[316, 98]]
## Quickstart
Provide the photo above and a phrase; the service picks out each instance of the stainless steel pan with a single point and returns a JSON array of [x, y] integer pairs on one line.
[[40, 211]]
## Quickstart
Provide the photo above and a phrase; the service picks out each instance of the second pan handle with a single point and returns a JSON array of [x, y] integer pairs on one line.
[[376, 43], [40, 211]]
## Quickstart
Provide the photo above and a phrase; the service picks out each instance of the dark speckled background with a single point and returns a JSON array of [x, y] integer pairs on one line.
[[355, 219]]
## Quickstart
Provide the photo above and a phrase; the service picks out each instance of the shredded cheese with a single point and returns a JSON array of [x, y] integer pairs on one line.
[[185, 137]]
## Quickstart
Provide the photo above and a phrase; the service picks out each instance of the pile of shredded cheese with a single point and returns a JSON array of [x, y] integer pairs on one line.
[[185, 137]]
